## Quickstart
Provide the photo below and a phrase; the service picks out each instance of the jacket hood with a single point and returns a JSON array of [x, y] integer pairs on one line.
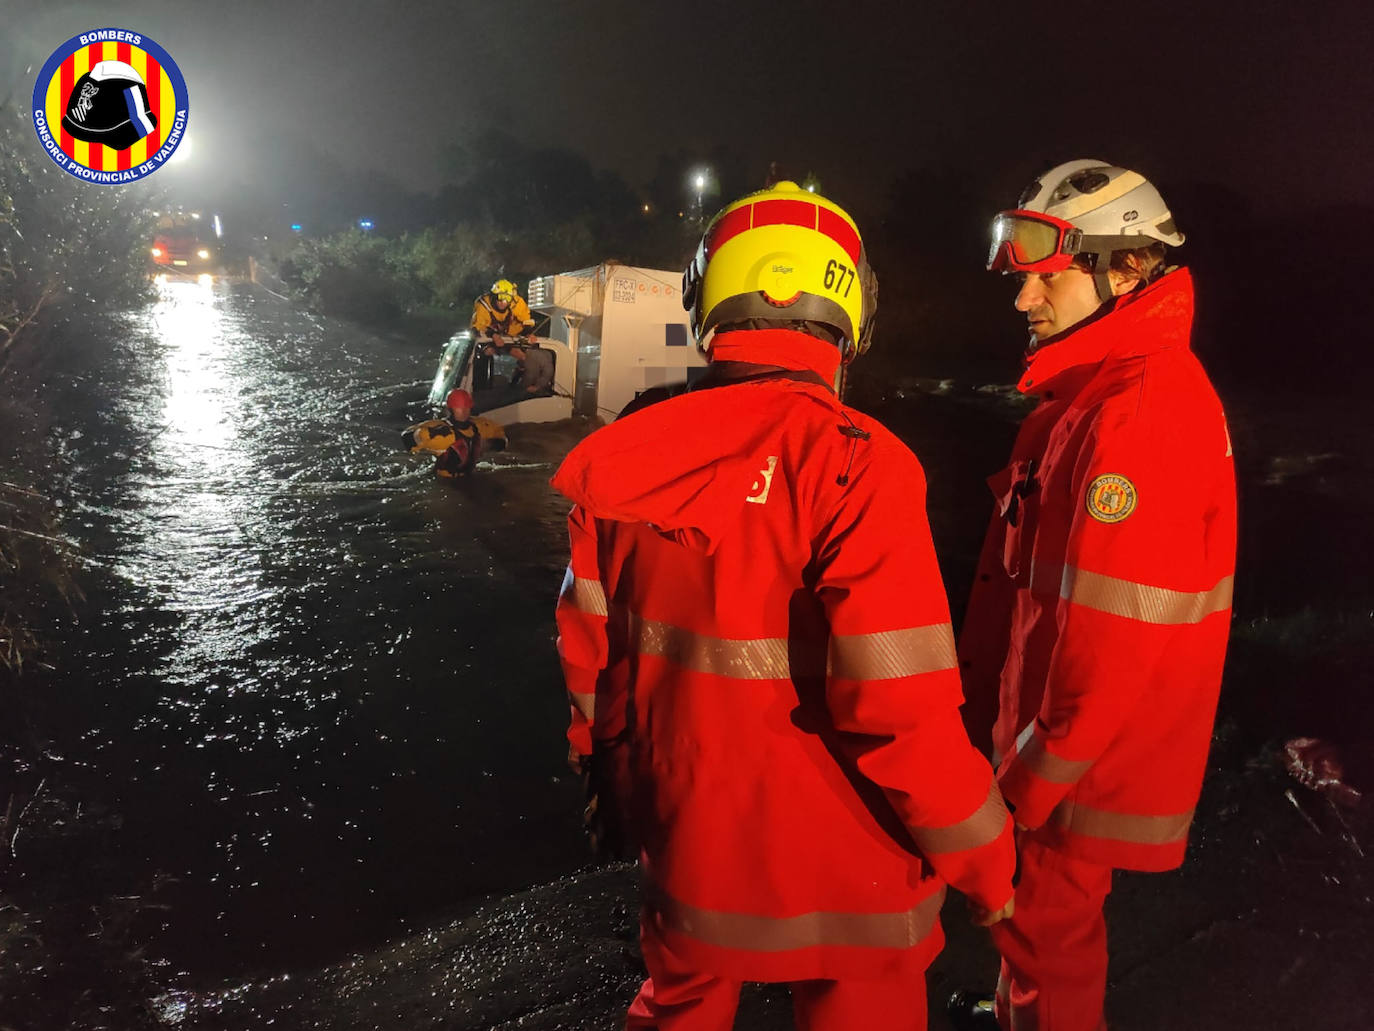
[[1157, 318], [687, 466]]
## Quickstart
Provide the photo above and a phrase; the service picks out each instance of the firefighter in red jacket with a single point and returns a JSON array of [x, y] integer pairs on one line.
[[1096, 631], [757, 650]]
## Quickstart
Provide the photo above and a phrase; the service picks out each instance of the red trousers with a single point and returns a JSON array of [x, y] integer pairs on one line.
[[1054, 949], [676, 998]]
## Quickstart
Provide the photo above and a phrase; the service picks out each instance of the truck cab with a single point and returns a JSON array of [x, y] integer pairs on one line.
[[185, 244]]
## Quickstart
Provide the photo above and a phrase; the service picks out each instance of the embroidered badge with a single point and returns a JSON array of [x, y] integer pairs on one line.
[[1111, 498]]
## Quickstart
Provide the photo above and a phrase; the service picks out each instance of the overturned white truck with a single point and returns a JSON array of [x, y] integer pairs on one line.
[[614, 331]]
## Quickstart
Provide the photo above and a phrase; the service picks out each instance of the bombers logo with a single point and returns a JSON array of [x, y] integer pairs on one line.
[[109, 106], [1111, 498]]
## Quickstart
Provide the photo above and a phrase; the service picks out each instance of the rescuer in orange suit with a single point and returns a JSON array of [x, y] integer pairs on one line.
[[757, 650], [1096, 631]]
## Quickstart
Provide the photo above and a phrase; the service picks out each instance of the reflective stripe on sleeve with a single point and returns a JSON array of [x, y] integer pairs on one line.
[[761, 658], [1127, 827], [583, 594], [893, 653], [986, 823], [755, 933], [1031, 752], [880, 656], [1158, 605]]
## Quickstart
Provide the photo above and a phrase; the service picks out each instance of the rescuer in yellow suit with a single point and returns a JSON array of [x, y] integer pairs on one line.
[[502, 315]]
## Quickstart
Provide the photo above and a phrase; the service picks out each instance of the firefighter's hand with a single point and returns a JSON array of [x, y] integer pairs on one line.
[[577, 762], [985, 918]]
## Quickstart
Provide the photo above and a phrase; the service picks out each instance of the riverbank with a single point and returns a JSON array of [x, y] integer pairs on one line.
[[67, 920]]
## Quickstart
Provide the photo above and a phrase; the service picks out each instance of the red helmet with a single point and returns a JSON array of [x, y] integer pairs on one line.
[[459, 402]]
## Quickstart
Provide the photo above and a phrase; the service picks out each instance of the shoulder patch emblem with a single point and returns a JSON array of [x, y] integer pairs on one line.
[[1111, 498]]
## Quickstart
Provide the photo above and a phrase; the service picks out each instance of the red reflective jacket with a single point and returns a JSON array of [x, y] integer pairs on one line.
[[1097, 627], [754, 608]]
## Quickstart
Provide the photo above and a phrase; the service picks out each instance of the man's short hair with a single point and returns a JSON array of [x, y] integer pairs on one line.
[[1145, 264]]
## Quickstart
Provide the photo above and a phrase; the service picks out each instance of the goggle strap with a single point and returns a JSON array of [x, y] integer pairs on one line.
[[1108, 244]]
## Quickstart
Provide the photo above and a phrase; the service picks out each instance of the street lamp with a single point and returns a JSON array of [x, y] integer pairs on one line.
[[701, 179]]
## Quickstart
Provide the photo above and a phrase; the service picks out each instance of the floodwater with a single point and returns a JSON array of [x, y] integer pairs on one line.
[[318, 686]]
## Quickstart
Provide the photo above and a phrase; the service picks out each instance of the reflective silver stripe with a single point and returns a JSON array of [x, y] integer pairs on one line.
[[755, 933], [583, 594], [1140, 601], [1158, 605], [584, 703], [1031, 751], [985, 825], [893, 653], [761, 658], [1127, 827]]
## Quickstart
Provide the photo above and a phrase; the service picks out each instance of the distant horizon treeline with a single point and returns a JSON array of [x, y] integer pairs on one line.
[[508, 210], [1269, 283]]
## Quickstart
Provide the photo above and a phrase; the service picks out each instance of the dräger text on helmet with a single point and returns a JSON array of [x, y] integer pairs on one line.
[[73, 166]]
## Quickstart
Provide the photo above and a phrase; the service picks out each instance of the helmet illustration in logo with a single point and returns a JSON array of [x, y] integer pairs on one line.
[[109, 105]]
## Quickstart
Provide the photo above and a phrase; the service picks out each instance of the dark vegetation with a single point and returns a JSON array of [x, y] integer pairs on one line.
[[68, 252], [509, 210], [515, 210]]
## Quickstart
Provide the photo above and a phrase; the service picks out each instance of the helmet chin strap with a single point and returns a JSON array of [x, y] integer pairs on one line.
[[1100, 277]]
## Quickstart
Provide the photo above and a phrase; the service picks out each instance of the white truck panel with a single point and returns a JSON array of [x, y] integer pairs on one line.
[[632, 333]]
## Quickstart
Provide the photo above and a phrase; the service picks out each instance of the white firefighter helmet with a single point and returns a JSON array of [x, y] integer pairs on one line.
[[1088, 207]]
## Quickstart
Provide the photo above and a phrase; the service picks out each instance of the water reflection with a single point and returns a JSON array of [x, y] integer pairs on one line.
[[188, 321], [316, 679]]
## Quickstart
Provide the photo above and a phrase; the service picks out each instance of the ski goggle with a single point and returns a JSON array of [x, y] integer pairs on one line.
[[1029, 241]]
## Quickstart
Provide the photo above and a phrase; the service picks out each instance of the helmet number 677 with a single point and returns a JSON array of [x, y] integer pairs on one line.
[[838, 277]]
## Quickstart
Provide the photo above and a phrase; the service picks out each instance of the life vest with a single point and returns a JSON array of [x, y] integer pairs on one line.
[[461, 456]]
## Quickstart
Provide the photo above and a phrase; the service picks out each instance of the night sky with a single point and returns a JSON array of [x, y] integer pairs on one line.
[[1272, 99]]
